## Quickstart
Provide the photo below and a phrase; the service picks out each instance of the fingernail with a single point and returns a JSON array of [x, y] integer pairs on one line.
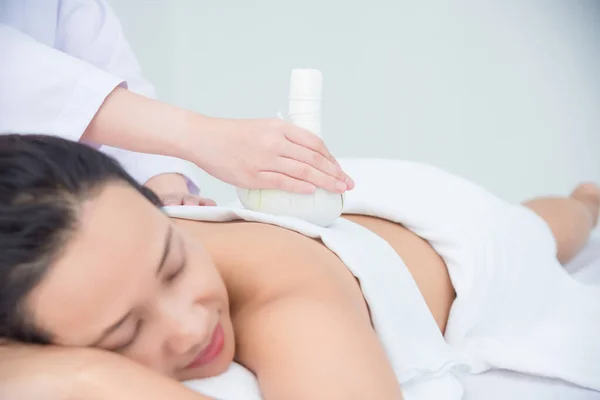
[[349, 182], [340, 187]]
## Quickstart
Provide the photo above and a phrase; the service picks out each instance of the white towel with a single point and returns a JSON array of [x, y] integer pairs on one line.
[[516, 307]]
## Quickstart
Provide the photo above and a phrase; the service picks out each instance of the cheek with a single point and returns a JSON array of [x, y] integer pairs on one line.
[[203, 281], [200, 285]]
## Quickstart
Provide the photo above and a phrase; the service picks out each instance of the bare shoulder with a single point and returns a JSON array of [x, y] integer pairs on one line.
[[260, 262]]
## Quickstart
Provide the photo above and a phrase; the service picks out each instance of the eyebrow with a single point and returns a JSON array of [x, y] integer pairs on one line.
[[121, 321], [166, 250]]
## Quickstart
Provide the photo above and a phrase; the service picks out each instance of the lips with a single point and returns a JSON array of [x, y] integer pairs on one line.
[[211, 351]]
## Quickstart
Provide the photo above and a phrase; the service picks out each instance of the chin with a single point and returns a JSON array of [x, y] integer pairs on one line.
[[217, 366]]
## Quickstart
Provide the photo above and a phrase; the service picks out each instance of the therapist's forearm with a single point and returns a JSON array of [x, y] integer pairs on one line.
[[137, 123]]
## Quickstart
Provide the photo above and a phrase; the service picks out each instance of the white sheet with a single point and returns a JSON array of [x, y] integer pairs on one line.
[[502, 385]]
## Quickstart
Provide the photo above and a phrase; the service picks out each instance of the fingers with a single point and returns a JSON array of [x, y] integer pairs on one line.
[[305, 173], [314, 159], [203, 201], [171, 199], [309, 140], [279, 181], [311, 150], [186, 200], [191, 200]]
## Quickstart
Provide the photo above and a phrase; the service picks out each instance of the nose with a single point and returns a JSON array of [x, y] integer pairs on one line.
[[185, 327]]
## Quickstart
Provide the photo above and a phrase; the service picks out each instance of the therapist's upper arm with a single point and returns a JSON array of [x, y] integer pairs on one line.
[[90, 30], [43, 90]]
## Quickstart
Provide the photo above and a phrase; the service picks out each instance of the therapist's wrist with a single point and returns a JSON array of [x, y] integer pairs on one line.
[[183, 128], [193, 137]]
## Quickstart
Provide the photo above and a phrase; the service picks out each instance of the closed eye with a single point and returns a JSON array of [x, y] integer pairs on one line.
[[136, 332], [172, 276]]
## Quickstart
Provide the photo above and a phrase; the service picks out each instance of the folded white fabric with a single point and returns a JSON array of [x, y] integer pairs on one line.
[[516, 307]]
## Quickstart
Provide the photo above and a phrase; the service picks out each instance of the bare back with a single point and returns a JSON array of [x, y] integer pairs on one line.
[[247, 252]]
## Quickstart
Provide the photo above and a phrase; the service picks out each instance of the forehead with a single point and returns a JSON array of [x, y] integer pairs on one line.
[[102, 269]]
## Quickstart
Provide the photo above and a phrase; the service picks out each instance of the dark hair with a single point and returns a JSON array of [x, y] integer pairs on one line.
[[43, 181]]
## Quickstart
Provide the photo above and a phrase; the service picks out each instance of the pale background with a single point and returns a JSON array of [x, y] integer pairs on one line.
[[506, 93]]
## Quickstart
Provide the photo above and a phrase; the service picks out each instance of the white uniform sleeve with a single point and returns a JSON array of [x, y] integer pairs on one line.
[[43, 90], [90, 31]]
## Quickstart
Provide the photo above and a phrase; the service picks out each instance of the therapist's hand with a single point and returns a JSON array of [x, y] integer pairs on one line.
[[173, 191], [248, 153], [264, 154]]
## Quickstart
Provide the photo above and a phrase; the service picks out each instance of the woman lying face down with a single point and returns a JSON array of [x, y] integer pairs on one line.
[[89, 260]]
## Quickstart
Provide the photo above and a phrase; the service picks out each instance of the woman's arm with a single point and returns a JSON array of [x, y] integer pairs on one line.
[[53, 373], [313, 346], [117, 378]]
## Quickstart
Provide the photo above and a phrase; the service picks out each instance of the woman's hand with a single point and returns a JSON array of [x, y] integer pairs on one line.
[[264, 154], [30, 372], [36, 372], [173, 191]]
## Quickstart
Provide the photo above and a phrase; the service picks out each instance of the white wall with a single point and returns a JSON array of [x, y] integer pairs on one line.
[[504, 93]]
